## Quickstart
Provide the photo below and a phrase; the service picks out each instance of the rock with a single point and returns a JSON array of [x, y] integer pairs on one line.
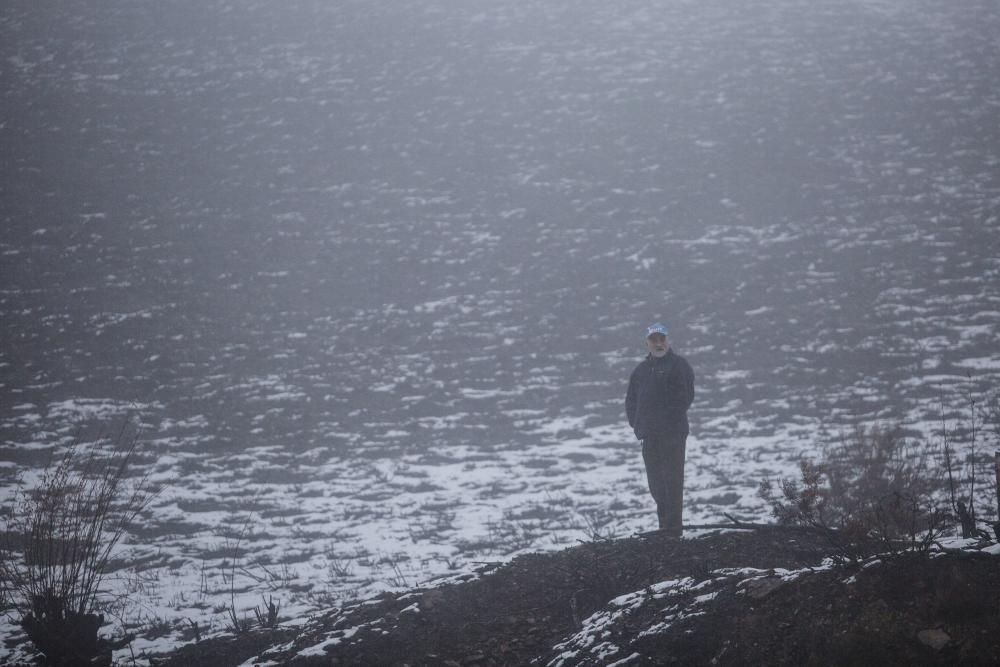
[[431, 599], [761, 588], [936, 638]]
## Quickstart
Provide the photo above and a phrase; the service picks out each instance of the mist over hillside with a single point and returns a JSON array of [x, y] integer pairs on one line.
[[372, 275]]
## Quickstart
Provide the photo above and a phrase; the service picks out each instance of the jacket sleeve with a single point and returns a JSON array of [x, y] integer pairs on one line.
[[688, 385], [630, 400]]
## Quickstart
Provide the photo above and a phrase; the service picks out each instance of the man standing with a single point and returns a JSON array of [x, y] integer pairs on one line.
[[660, 391]]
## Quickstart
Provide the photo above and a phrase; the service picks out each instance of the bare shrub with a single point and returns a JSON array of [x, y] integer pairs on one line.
[[991, 422], [875, 490], [57, 541], [268, 618], [238, 626], [971, 467], [509, 534], [598, 525], [339, 568]]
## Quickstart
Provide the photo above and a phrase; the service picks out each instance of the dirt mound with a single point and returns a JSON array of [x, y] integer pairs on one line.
[[762, 596]]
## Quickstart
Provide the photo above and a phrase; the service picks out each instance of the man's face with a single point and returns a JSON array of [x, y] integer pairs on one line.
[[657, 344]]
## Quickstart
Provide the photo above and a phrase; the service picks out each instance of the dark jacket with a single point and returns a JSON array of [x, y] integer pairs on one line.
[[660, 391]]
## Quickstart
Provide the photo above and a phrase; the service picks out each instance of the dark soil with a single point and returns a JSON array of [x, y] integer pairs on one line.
[[909, 609]]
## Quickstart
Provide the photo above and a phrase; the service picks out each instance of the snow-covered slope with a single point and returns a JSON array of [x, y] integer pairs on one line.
[[374, 274]]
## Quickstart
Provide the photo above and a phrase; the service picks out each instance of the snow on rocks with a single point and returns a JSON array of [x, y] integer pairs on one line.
[[618, 628], [659, 607]]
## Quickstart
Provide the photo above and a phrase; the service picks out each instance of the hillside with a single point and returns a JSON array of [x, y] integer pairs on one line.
[[726, 597], [371, 276]]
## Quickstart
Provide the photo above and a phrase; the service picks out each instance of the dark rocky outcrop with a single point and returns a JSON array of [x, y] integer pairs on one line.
[[765, 596]]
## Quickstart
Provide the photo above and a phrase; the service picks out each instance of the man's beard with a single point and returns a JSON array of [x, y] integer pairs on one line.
[[658, 353]]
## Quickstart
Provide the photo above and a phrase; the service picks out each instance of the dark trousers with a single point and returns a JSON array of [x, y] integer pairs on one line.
[[664, 459]]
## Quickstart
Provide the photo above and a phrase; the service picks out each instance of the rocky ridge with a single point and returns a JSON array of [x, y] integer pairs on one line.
[[761, 596]]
